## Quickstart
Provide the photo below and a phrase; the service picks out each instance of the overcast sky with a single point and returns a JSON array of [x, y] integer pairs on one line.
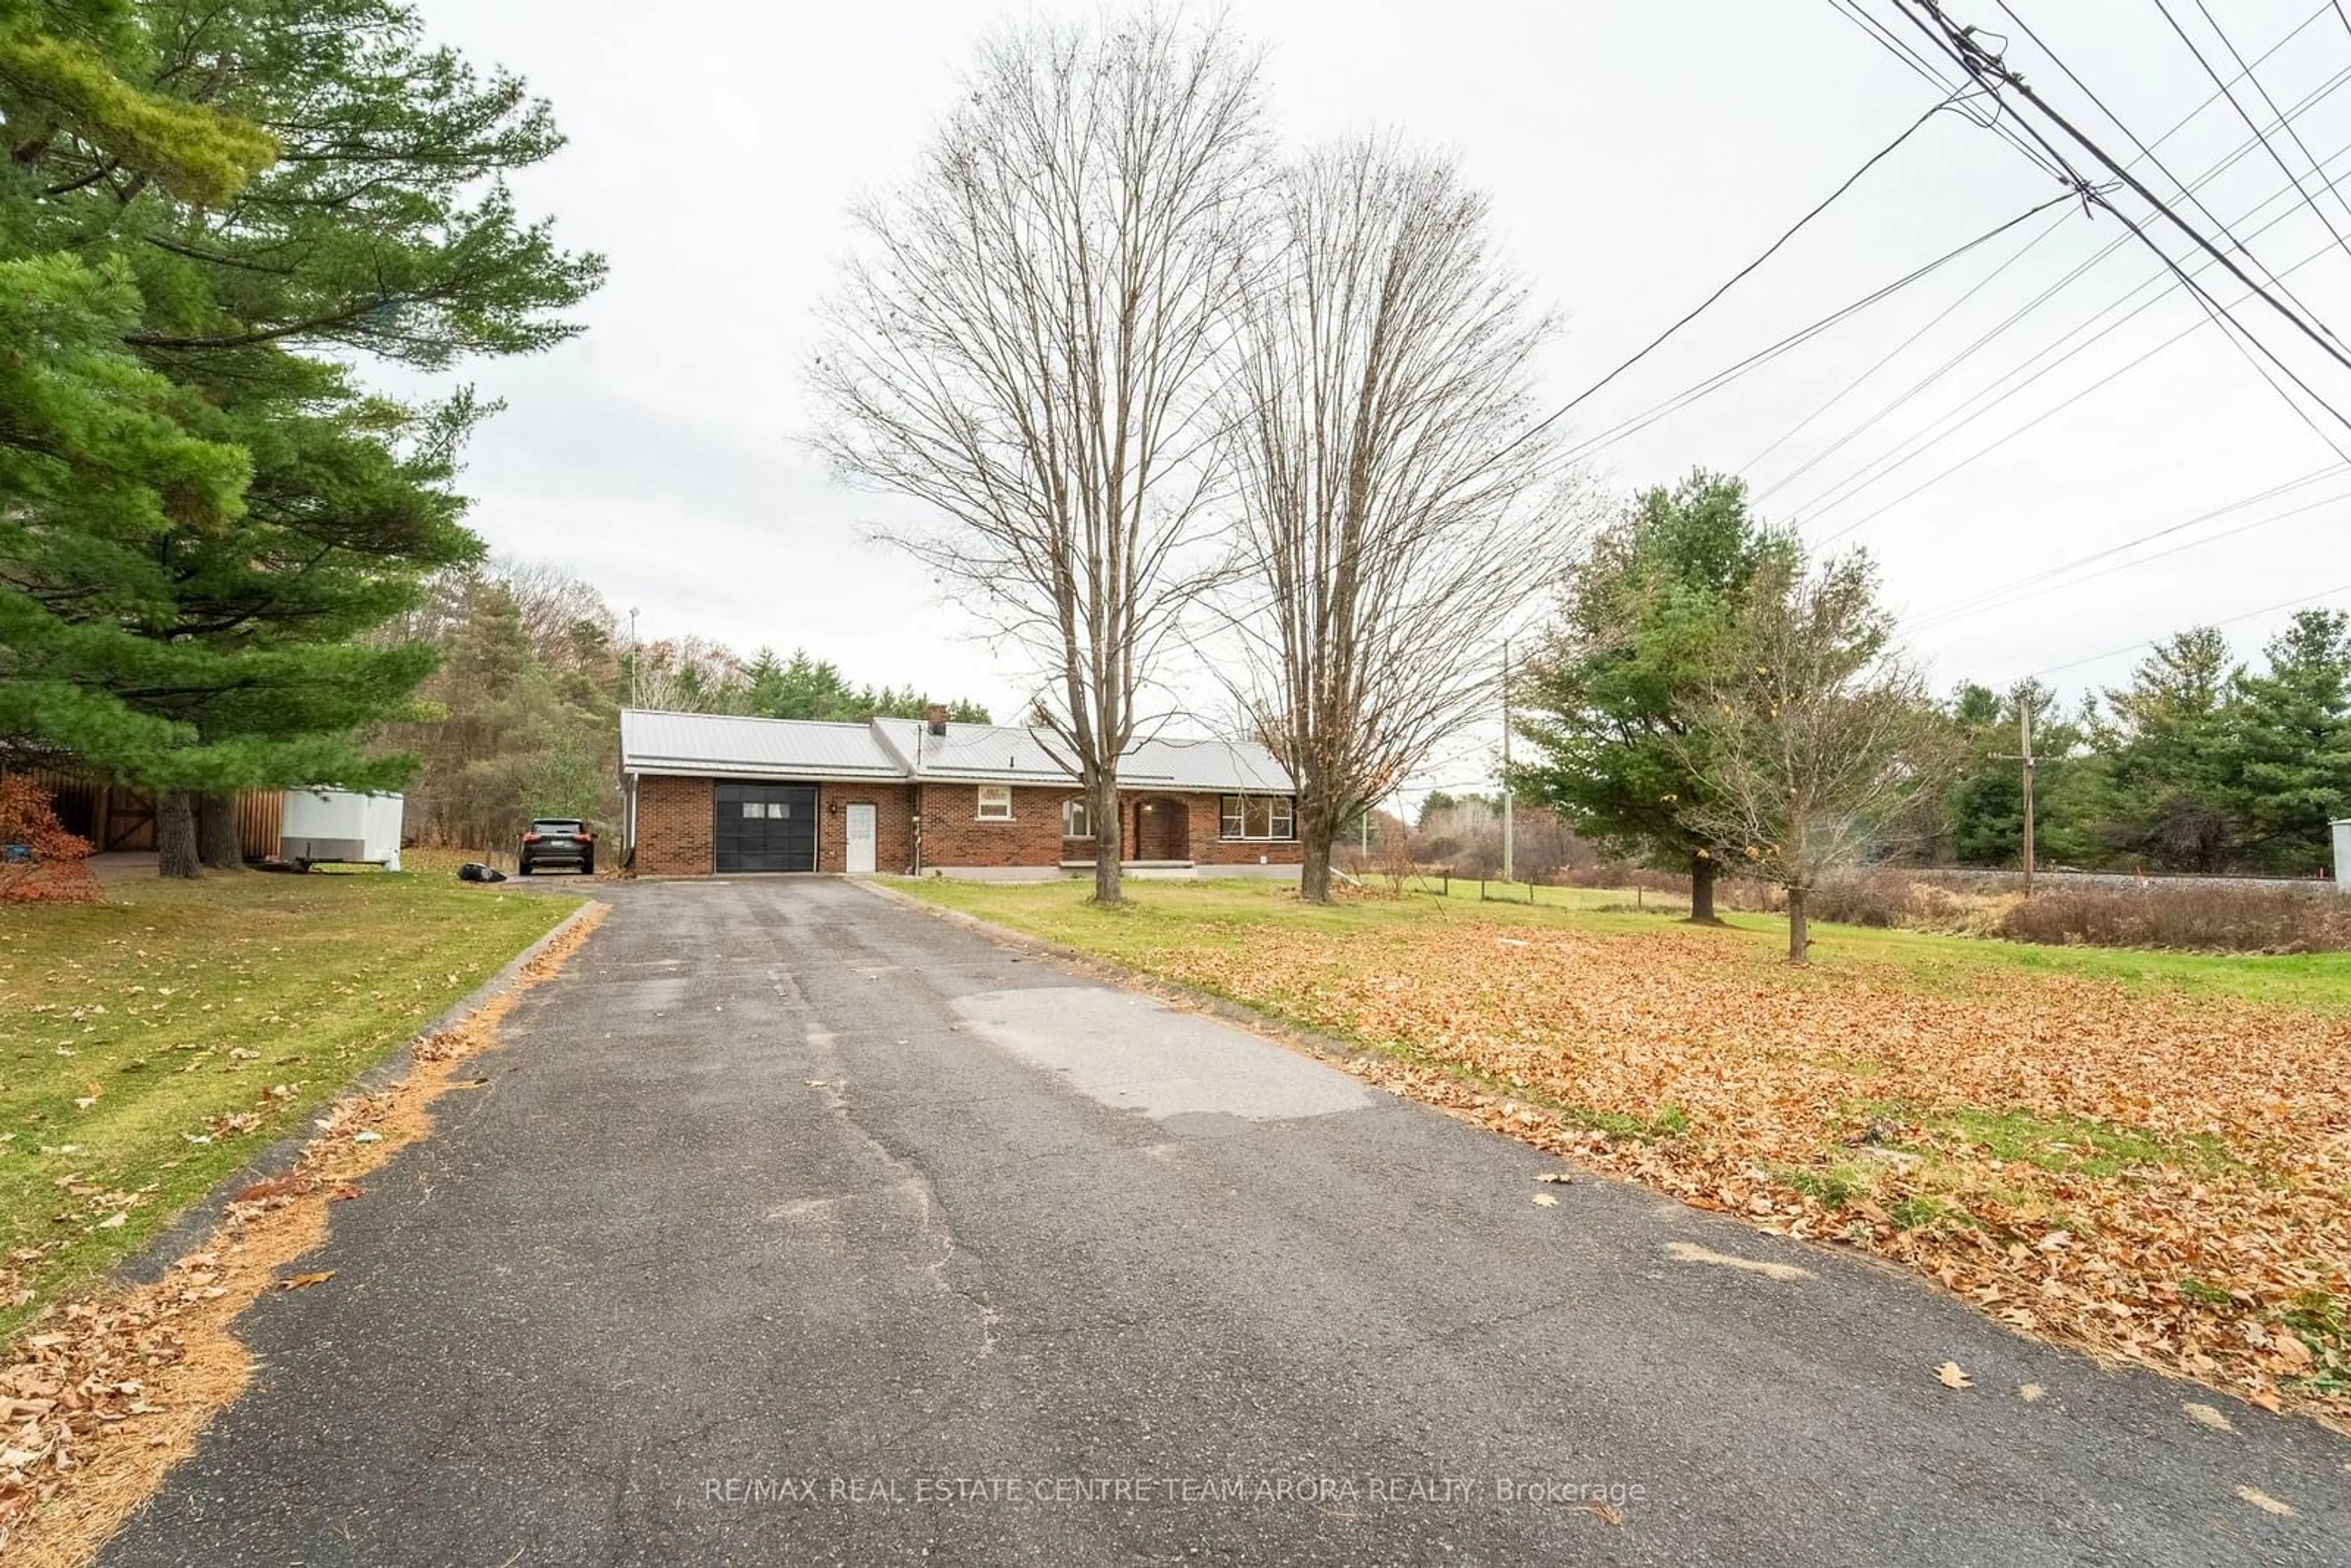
[[1639, 154]]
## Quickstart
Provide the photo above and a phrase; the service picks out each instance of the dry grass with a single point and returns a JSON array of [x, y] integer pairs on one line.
[[111, 1392], [2196, 916]]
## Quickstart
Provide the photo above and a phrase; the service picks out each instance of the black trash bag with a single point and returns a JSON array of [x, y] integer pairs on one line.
[[474, 870]]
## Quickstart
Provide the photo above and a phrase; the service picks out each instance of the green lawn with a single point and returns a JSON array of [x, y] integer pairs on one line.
[[1225, 911], [152, 1044]]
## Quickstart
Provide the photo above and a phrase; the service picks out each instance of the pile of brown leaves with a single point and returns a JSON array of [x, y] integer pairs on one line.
[[104, 1396], [55, 867], [2156, 1177]]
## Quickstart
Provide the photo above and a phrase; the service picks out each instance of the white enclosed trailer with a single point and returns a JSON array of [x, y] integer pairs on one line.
[[337, 825], [2342, 855]]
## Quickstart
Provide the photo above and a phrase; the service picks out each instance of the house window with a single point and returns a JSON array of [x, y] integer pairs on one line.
[[1258, 816], [996, 802], [1076, 824]]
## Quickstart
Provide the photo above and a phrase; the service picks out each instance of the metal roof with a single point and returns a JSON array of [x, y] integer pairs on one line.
[[998, 753], [1210, 765], [711, 743], [721, 744]]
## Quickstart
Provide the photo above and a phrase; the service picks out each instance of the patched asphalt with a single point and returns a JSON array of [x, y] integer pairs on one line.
[[796, 1225]]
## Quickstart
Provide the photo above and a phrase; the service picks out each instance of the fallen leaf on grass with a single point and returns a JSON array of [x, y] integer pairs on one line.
[[2206, 1416], [2165, 1137], [1545, 1200], [1949, 1375], [2266, 1504], [304, 1282]]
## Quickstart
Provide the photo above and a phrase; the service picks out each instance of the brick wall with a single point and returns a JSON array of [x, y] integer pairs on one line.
[[893, 825], [1209, 849], [674, 825], [953, 834], [673, 828]]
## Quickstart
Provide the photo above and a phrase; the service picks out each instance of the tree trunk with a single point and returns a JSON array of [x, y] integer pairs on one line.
[[1702, 869], [1102, 801], [1314, 867], [216, 839], [1800, 938], [175, 833]]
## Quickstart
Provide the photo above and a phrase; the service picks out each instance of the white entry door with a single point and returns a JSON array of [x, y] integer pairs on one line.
[[861, 839]]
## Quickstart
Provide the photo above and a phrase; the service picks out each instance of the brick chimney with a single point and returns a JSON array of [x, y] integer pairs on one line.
[[936, 715]]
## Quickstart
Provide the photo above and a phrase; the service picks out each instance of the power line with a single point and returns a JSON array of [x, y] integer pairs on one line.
[[1769, 251], [1891, 354], [2045, 581], [1958, 418], [2246, 74], [2231, 621], [1723, 378], [1982, 64], [1919, 446], [1909, 56], [1878, 468], [2148, 155], [2103, 381]]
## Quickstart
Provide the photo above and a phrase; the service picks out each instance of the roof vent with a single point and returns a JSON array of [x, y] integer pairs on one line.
[[936, 715]]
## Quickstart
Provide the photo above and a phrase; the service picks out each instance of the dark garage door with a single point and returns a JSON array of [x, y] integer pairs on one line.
[[765, 826]]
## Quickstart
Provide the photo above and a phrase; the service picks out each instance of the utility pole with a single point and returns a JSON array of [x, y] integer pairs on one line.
[[1507, 843]]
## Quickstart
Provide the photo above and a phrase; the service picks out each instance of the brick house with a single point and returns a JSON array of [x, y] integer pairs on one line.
[[713, 792]]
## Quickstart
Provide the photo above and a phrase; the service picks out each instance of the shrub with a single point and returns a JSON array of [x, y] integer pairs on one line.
[[2198, 915], [40, 862], [1884, 898]]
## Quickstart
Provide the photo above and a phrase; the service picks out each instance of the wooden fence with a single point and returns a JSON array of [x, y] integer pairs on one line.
[[115, 818]]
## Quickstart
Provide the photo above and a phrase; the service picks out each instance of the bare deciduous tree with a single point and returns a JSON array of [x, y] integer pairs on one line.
[[1816, 748], [686, 674], [1387, 479], [1027, 345]]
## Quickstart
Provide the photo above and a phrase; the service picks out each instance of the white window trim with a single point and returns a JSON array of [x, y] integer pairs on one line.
[[1003, 792], [1286, 809], [1075, 807]]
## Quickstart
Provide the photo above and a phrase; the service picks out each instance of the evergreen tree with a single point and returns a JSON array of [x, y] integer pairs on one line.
[[208, 642], [1647, 621], [2291, 734], [2172, 738], [803, 687]]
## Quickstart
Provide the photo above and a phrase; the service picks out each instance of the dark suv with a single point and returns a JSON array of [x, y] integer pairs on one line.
[[558, 841]]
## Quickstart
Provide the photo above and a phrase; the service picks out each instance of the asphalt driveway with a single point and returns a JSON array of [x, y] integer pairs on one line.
[[799, 1227]]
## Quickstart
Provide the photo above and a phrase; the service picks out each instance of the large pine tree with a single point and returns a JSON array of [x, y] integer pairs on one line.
[[304, 184]]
